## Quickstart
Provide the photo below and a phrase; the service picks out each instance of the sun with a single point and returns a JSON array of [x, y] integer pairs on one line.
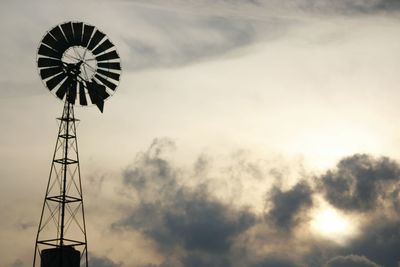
[[333, 225]]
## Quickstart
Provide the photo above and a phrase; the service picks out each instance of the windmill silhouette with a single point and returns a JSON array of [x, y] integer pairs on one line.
[[80, 66]]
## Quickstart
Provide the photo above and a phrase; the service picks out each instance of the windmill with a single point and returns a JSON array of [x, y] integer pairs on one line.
[[80, 66]]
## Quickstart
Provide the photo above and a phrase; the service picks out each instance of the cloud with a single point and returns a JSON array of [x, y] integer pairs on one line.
[[367, 185], [102, 262], [151, 174], [360, 182], [189, 226], [286, 206], [155, 34], [146, 37], [350, 261], [275, 262], [380, 240], [177, 217], [343, 7], [192, 221], [280, 7], [183, 39]]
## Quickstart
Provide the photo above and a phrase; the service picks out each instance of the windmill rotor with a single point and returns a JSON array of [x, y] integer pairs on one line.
[[79, 64]]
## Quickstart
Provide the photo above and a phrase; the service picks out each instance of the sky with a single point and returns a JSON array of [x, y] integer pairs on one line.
[[251, 133]]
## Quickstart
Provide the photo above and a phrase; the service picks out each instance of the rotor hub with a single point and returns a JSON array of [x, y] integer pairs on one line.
[[81, 60]]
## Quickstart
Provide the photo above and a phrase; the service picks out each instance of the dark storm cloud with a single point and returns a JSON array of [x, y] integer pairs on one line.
[[360, 182], [178, 217], [286, 206], [350, 261]]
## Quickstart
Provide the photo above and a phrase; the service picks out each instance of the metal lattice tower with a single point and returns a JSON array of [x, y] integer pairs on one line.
[[62, 222]]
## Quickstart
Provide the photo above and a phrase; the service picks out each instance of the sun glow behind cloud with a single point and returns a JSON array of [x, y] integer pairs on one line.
[[333, 225]]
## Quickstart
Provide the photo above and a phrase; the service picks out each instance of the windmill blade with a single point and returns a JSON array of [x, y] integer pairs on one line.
[[57, 33], [108, 56], [97, 89], [109, 65], [68, 33], [82, 95], [67, 84], [105, 82], [87, 33], [92, 93], [48, 72], [97, 37], [48, 62], [61, 44], [50, 41], [78, 32], [48, 52], [109, 74], [53, 82], [103, 47]]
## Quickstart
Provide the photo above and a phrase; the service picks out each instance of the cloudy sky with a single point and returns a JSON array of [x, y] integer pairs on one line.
[[259, 133]]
